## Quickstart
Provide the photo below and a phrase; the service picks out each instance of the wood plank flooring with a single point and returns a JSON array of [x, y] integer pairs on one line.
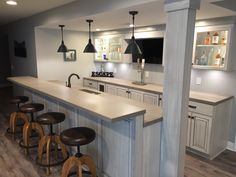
[[13, 162]]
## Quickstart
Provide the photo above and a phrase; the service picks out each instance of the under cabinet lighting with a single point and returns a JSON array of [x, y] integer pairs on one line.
[[131, 25], [11, 2]]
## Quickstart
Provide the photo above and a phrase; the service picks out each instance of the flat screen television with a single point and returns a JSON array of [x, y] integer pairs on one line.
[[152, 50]]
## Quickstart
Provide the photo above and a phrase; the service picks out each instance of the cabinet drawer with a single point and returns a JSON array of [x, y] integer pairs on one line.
[[90, 84], [200, 108]]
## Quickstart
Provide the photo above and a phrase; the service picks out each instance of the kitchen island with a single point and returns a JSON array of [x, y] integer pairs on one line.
[[128, 133]]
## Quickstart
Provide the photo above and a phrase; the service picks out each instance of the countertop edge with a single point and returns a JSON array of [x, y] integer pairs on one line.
[[214, 103], [73, 105], [210, 102]]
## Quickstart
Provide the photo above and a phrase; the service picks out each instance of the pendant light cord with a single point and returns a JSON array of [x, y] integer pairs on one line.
[[89, 30], [62, 32], [133, 29]]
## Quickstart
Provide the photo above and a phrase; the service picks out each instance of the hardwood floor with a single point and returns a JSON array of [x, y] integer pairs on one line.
[[223, 166], [14, 163]]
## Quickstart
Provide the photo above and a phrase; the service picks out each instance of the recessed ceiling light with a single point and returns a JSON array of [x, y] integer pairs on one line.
[[11, 2], [98, 29]]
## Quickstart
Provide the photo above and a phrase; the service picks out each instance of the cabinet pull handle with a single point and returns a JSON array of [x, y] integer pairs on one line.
[[90, 83], [189, 117], [192, 117], [194, 107]]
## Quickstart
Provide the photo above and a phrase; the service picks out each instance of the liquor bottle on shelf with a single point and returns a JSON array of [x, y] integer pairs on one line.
[[218, 58], [223, 41], [215, 38], [207, 39], [203, 59], [211, 56]]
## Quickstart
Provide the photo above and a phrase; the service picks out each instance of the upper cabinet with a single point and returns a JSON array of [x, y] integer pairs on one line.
[[212, 47], [111, 48]]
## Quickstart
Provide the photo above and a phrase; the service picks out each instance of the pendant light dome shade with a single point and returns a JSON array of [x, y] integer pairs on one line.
[[90, 47], [62, 48], [133, 47]]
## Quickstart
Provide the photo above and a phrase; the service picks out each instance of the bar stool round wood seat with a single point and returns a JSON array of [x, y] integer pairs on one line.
[[15, 116], [31, 125], [51, 118], [78, 136]]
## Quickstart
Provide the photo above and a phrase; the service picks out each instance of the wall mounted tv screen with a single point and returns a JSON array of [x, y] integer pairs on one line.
[[152, 50]]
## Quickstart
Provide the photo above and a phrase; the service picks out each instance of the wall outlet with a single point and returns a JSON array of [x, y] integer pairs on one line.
[[198, 81], [146, 74]]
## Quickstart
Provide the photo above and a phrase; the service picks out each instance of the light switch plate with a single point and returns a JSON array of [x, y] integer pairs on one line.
[[146, 74], [198, 81], [114, 70]]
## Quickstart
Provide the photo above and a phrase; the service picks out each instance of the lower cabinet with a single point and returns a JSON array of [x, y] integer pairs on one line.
[[136, 95], [111, 89], [142, 96], [151, 99], [208, 127], [124, 92], [199, 130]]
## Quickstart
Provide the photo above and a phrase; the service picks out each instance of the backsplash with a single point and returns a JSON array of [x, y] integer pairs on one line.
[[153, 72]]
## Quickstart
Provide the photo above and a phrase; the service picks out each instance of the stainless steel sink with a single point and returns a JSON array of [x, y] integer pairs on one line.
[[90, 91]]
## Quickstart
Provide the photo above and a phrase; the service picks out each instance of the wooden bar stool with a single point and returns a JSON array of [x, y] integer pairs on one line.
[[31, 125], [17, 115], [51, 118], [78, 136]]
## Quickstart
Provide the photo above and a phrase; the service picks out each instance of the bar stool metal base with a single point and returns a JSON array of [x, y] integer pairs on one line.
[[51, 164], [47, 141]]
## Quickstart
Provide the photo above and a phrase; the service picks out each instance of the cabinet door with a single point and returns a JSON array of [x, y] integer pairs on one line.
[[123, 92], [201, 131], [111, 89], [151, 99], [136, 95]]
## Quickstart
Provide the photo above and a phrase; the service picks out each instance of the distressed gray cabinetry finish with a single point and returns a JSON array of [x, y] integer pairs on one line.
[[121, 148], [208, 127]]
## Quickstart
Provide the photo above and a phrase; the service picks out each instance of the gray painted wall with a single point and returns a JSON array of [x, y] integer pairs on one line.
[[51, 64], [5, 69]]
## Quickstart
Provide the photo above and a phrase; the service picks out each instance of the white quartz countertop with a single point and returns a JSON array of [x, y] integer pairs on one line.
[[202, 97], [105, 106]]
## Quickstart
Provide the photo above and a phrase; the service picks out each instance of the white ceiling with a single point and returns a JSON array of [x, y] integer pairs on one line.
[[149, 14], [26, 8]]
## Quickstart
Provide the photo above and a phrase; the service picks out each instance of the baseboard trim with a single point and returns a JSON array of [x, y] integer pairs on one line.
[[231, 146]]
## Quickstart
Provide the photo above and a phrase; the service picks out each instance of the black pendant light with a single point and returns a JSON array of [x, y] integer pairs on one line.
[[133, 47], [90, 47], [62, 47]]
